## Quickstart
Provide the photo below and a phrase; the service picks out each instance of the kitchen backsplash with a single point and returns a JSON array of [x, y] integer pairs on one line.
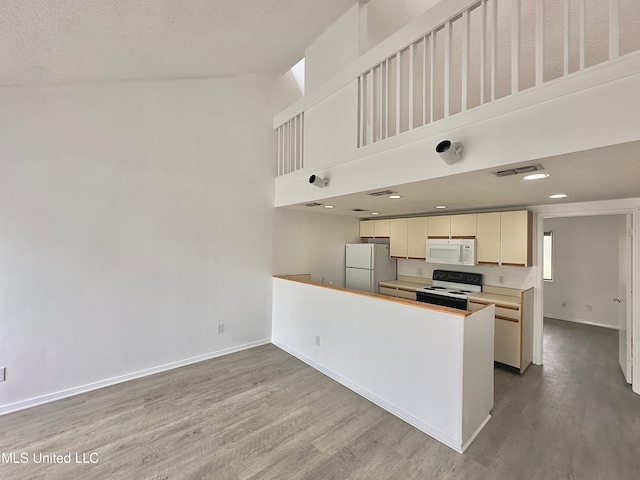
[[512, 277]]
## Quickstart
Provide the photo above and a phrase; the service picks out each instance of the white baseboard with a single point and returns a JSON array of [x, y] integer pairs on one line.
[[585, 322], [389, 407], [51, 397]]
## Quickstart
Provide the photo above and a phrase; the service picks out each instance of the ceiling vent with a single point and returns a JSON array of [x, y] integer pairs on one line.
[[381, 193], [313, 204], [519, 170]]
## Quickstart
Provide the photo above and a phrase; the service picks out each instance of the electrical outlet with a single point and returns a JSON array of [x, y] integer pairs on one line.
[[589, 308], [221, 328], [420, 272], [318, 340], [501, 279], [3, 374]]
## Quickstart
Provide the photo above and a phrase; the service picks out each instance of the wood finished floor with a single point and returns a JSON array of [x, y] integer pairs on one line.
[[262, 414]]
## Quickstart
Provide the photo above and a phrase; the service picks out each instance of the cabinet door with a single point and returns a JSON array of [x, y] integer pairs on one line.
[[514, 238], [463, 226], [391, 292], [507, 342], [398, 238], [382, 228], [488, 238], [367, 228], [439, 227], [417, 238]]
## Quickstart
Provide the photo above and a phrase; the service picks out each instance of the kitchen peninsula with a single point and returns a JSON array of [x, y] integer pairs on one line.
[[429, 365]]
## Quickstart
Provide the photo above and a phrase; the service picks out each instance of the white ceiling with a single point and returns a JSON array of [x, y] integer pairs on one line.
[[45, 42], [600, 174]]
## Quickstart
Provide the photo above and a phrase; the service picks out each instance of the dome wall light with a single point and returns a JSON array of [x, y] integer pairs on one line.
[[449, 152], [318, 181]]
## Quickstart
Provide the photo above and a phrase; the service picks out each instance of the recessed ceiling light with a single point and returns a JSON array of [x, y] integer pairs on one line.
[[440, 207], [328, 206], [395, 196], [558, 195], [536, 176], [375, 213]]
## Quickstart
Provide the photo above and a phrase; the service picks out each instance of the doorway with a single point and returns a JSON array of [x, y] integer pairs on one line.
[[590, 279]]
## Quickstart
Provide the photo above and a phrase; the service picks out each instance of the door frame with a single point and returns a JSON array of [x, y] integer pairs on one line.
[[613, 207]]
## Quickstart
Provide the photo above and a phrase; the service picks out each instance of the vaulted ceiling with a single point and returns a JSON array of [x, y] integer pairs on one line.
[[45, 42]]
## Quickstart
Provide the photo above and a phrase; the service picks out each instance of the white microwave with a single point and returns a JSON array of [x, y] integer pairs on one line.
[[451, 251]]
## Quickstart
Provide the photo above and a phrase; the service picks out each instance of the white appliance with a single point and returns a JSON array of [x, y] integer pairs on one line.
[[451, 251], [450, 289], [367, 264]]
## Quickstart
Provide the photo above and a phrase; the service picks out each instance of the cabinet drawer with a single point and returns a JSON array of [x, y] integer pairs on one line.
[[407, 294], [507, 342], [473, 305], [392, 292], [508, 313]]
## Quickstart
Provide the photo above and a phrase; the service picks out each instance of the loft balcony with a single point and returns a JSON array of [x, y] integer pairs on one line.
[[513, 80]]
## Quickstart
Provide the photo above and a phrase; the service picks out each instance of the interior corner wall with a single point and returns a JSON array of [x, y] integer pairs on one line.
[[134, 218], [313, 243], [585, 269], [334, 49], [385, 18]]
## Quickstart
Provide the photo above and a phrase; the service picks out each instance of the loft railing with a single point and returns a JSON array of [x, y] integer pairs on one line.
[[290, 145], [493, 49]]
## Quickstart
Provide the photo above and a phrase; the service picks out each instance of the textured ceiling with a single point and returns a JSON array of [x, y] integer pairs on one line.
[[605, 173], [69, 41]]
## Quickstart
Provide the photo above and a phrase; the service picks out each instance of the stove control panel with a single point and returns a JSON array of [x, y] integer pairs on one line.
[[457, 277]]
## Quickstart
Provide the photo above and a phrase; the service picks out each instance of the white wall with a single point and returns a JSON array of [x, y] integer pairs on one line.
[[511, 277], [595, 117], [312, 243], [335, 48], [134, 218], [385, 17], [433, 369], [585, 269]]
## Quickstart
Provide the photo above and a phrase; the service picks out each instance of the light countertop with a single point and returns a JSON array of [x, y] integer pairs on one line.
[[498, 299], [411, 286]]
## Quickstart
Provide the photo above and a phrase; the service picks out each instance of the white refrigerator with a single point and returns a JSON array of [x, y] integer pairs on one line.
[[368, 264]]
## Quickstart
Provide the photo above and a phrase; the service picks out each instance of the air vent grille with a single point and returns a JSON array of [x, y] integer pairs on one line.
[[313, 204], [381, 193], [517, 171]]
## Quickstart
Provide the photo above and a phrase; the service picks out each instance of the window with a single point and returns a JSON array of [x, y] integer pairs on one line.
[[547, 251]]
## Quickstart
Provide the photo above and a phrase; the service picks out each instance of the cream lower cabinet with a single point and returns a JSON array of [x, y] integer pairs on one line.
[[513, 337], [398, 292]]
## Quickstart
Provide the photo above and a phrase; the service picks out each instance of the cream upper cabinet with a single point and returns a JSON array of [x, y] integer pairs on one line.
[[417, 238], [515, 228], [367, 228], [488, 238], [374, 228], [463, 225], [383, 228], [439, 226], [398, 238]]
